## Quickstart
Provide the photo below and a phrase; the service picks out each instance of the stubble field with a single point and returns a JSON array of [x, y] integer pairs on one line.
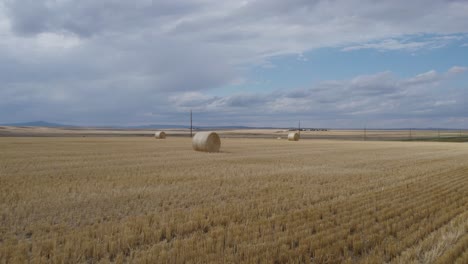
[[141, 200]]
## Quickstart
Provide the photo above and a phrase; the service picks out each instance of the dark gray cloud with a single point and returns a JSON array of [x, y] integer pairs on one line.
[[87, 17], [246, 100]]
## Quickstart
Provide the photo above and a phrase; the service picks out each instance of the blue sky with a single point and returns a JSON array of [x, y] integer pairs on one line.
[[335, 64], [305, 69]]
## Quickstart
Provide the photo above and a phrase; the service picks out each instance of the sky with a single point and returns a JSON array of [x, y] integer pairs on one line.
[[332, 64]]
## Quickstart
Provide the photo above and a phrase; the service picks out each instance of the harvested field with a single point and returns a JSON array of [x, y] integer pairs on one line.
[[139, 200], [368, 135]]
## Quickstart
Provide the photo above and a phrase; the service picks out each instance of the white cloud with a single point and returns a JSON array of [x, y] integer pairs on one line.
[[395, 44], [447, 102], [424, 78], [457, 70], [56, 41], [111, 60]]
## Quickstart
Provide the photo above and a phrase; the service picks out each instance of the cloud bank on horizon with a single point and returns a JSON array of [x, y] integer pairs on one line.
[[343, 63]]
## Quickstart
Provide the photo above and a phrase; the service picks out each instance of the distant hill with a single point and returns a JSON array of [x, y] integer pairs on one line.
[[36, 124], [151, 126]]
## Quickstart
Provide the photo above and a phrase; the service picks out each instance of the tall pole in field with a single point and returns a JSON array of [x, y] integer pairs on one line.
[[365, 132], [411, 133], [438, 133], [299, 127], [191, 123]]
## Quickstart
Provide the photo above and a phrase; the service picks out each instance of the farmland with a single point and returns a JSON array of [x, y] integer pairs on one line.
[[137, 199], [446, 135]]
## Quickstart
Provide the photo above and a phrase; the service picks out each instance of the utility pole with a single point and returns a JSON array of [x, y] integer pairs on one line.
[[411, 133], [191, 123], [365, 133], [299, 127]]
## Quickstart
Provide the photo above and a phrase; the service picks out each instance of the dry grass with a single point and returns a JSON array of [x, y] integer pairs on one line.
[[67, 200], [389, 135]]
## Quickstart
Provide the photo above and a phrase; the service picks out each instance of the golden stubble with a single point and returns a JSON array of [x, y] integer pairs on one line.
[[129, 199]]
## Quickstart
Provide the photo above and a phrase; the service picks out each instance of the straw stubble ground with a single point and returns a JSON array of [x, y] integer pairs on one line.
[[67, 200]]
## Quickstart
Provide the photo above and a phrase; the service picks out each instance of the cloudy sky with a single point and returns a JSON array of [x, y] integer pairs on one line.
[[336, 63]]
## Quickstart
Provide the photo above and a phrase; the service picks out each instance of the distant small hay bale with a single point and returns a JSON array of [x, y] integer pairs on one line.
[[294, 136], [160, 135], [206, 141], [278, 138]]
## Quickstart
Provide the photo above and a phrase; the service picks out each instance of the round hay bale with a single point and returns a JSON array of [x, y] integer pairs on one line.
[[294, 136], [160, 135], [206, 141], [278, 138]]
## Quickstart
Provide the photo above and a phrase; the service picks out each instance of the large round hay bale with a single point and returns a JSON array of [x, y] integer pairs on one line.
[[206, 141], [294, 136], [160, 135]]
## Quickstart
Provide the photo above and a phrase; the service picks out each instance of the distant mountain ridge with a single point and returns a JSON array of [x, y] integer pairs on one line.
[[36, 124], [151, 126]]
